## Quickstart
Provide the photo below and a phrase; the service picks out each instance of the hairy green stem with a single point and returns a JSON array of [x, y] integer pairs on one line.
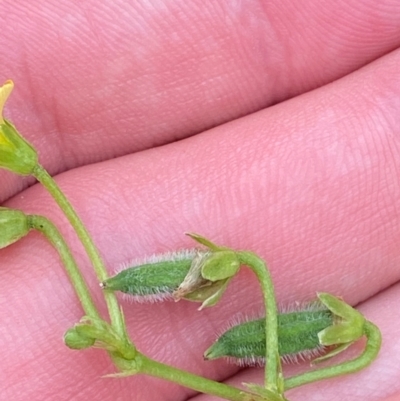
[[273, 369], [50, 231], [48, 182], [190, 380], [371, 350]]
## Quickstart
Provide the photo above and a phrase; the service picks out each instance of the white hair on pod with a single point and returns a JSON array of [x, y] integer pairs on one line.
[[156, 258], [162, 293], [255, 361]]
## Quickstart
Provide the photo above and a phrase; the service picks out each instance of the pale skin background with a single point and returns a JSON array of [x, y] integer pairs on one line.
[[263, 125]]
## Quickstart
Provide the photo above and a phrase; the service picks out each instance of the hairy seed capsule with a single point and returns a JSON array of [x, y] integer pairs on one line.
[[153, 279], [244, 344]]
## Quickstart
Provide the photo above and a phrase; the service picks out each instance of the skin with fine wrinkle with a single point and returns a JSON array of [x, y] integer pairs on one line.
[[310, 184]]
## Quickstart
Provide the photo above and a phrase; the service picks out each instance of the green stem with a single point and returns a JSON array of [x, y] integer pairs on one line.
[[50, 231], [273, 369], [48, 182], [190, 380], [371, 350]]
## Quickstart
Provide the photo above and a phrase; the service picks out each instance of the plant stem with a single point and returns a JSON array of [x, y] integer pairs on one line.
[[190, 380], [48, 182], [273, 370], [371, 350], [50, 231]]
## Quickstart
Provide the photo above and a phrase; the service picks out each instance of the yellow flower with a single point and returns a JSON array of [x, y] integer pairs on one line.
[[5, 91], [16, 154]]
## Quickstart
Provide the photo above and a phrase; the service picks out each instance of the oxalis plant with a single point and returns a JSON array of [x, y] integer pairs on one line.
[[321, 330]]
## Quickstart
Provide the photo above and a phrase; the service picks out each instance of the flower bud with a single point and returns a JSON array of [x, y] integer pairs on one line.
[[13, 226], [16, 154], [75, 340]]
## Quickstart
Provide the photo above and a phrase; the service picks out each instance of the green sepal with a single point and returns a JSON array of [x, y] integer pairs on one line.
[[208, 295], [209, 274], [16, 154], [350, 326], [263, 392], [14, 225], [220, 265], [206, 242], [120, 375], [331, 354], [193, 280], [127, 367]]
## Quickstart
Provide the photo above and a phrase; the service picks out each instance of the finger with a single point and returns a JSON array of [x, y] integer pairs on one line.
[[316, 197], [145, 76]]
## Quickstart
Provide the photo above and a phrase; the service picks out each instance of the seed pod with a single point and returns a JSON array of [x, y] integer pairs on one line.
[[244, 344], [153, 279]]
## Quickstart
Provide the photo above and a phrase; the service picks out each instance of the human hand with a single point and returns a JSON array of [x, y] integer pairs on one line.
[[311, 183]]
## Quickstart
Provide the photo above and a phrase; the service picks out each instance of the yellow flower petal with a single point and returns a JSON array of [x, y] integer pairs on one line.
[[5, 92]]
